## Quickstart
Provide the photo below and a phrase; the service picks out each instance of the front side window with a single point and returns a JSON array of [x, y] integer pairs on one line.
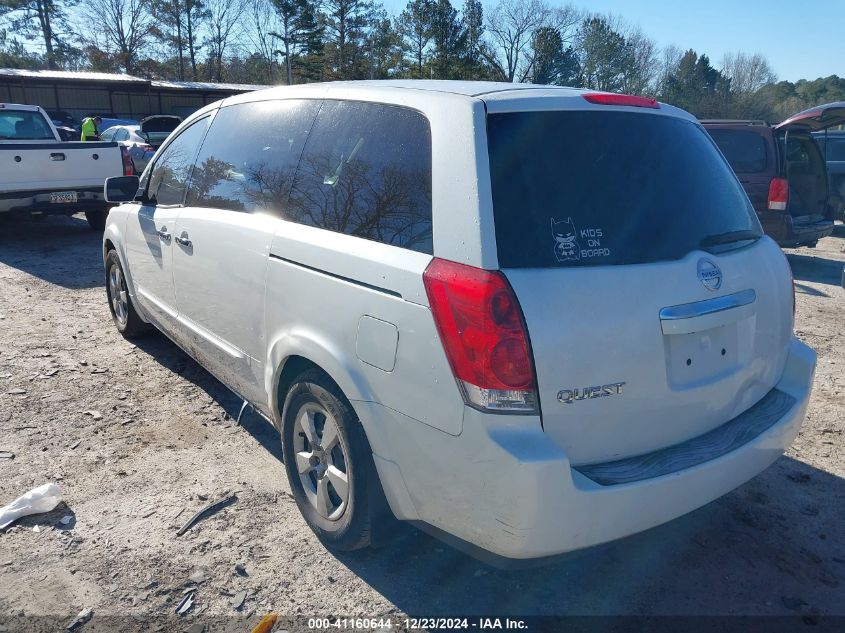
[[249, 156], [366, 171], [169, 177], [108, 135]]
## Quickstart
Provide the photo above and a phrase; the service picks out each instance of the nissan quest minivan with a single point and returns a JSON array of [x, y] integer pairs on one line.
[[527, 319]]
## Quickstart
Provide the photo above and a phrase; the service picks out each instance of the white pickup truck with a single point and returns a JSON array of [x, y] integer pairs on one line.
[[41, 174]]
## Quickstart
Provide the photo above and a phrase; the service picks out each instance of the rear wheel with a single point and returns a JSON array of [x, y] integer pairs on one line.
[[329, 463], [97, 219], [120, 303]]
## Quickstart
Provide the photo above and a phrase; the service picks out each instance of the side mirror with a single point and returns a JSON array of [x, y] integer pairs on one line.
[[122, 188]]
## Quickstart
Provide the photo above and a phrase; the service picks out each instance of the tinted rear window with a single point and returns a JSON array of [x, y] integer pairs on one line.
[[745, 151], [587, 188]]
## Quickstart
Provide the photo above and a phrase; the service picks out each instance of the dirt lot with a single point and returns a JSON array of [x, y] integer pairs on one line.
[[140, 437]]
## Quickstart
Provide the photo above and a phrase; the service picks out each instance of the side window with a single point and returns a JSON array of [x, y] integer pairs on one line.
[[249, 155], [169, 177], [366, 171], [121, 135], [745, 151], [107, 135]]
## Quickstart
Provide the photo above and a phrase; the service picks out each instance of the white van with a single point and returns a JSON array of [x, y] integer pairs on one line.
[[528, 319]]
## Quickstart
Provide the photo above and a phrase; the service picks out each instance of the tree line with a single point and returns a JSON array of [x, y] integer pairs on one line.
[[297, 41]]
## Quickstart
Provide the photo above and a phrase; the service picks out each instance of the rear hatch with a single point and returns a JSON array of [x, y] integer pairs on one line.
[[655, 308], [803, 163], [155, 129]]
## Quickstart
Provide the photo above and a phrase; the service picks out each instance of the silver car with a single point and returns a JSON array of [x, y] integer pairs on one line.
[[142, 140]]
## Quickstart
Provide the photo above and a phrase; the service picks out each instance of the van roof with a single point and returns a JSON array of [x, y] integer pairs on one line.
[[465, 88], [498, 96]]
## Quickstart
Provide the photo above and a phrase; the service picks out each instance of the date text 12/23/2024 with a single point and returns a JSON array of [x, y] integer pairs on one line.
[[411, 624]]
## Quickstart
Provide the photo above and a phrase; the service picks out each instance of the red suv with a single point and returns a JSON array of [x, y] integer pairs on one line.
[[783, 171]]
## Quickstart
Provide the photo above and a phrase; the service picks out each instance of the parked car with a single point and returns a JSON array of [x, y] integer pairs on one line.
[[67, 133], [783, 172], [44, 174], [142, 140], [60, 118], [526, 319], [833, 147]]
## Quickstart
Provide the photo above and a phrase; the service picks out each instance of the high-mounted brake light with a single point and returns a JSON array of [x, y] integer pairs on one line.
[[778, 194], [612, 99], [485, 339]]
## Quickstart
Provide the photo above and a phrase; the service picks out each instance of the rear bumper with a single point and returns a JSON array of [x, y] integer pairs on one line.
[[795, 234], [38, 201], [504, 487]]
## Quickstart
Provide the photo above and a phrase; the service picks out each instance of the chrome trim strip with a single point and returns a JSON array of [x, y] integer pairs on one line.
[[708, 306]]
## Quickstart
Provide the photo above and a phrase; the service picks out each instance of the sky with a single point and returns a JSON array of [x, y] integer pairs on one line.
[[801, 40]]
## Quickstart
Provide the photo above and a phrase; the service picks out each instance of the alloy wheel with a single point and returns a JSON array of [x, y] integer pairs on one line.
[[321, 461]]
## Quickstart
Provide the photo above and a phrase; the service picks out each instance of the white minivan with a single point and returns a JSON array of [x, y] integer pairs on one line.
[[527, 319]]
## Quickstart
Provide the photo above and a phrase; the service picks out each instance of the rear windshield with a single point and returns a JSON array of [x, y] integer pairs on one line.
[[745, 151], [586, 188], [23, 126]]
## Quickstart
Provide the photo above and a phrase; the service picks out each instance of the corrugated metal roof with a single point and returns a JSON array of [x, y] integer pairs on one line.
[[69, 75], [200, 85], [64, 75]]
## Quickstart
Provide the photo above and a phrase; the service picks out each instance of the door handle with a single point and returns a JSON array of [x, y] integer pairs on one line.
[[183, 240], [163, 234], [57, 156]]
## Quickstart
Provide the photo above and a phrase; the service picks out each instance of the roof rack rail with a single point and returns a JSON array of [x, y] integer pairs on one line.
[[735, 121]]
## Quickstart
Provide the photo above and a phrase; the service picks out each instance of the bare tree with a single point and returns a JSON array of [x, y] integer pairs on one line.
[[748, 73], [224, 25], [262, 23], [642, 69], [510, 32], [668, 61], [122, 28]]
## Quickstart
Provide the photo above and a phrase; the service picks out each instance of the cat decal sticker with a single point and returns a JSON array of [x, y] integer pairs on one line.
[[566, 245]]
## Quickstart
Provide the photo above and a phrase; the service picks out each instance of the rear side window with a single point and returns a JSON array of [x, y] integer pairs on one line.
[[249, 155], [745, 151], [169, 178], [587, 188], [366, 171]]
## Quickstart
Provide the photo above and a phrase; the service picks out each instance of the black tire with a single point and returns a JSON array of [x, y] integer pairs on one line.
[[97, 219], [365, 507], [130, 325]]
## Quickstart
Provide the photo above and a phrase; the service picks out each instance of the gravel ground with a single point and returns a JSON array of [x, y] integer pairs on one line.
[[140, 437]]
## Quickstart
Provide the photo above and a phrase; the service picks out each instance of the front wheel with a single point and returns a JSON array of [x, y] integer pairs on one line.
[[120, 303], [97, 219], [329, 463]]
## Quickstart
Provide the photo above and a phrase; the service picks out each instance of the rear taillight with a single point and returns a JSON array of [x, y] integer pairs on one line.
[[612, 99], [778, 194], [128, 167], [481, 328]]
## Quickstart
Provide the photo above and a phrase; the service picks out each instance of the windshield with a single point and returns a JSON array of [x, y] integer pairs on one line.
[[587, 188], [24, 126]]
